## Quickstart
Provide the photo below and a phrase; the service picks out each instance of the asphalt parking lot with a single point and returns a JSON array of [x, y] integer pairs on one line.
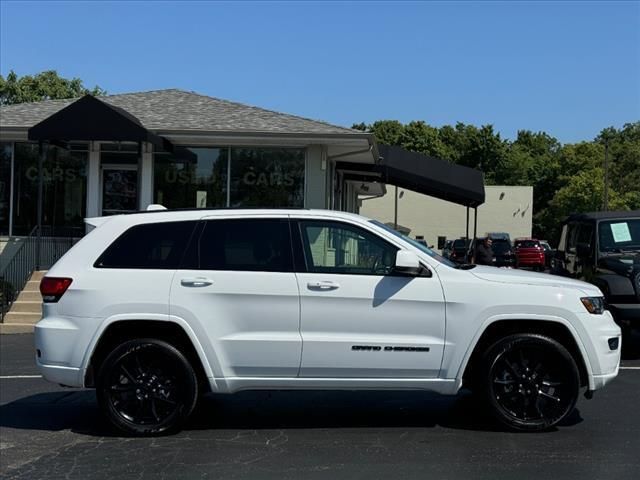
[[51, 432]]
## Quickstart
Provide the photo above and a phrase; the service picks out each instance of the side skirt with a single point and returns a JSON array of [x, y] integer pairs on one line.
[[236, 384]]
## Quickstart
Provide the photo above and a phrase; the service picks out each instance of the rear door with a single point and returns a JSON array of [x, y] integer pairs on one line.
[[238, 288], [358, 318]]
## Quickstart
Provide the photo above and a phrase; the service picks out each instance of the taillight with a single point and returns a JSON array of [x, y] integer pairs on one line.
[[52, 288]]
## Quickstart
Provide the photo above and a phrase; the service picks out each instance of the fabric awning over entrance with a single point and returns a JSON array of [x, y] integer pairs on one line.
[[89, 118], [423, 174], [432, 176]]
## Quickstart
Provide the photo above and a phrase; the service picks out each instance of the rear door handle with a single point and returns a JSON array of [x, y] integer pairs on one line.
[[323, 285], [196, 282]]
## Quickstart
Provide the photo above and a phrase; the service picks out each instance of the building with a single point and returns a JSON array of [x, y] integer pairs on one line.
[[120, 153], [506, 209]]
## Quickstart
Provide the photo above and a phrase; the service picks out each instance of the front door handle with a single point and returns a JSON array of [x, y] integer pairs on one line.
[[323, 285], [196, 282]]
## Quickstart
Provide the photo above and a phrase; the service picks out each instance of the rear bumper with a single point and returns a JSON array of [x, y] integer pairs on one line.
[[59, 351], [530, 261], [68, 376]]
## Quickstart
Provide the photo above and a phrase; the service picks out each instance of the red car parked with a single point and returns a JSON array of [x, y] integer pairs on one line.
[[529, 253]]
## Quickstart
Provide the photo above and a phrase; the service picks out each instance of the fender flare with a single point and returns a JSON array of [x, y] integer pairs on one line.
[[536, 317], [614, 284], [107, 322]]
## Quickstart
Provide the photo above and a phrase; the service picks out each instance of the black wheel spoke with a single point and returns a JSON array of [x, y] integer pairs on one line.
[[545, 394], [127, 374], [163, 399], [123, 387]]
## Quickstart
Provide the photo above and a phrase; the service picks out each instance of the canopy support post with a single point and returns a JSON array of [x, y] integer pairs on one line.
[[467, 235], [395, 210], [41, 154], [475, 222]]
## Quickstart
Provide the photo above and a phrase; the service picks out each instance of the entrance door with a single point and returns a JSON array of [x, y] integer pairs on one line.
[[119, 189]]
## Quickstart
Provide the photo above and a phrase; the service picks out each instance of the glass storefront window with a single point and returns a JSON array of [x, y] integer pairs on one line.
[[267, 177], [191, 177], [64, 193], [5, 187]]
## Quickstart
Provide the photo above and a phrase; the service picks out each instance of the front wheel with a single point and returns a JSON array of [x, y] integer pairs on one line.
[[531, 382], [146, 387]]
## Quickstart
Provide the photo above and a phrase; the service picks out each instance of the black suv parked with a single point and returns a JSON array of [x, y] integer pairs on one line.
[[604, 248]]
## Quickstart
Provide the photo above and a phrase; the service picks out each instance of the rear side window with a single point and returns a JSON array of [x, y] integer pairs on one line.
[[150, 245], [255, 245]]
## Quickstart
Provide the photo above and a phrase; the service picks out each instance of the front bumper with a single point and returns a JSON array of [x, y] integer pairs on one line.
[[604, 361]]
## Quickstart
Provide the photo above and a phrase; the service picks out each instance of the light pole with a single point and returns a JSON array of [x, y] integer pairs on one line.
[[606, 174]]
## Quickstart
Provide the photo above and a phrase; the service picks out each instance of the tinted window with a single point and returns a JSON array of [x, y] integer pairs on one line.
[[151, 245], [333, 247], [527, 243], [501, 246], [258, 245], [585, 234]]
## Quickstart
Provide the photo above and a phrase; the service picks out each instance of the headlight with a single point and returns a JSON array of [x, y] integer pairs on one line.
[[594, 305]]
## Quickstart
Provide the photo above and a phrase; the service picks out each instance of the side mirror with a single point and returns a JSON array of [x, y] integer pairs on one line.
[[408, 263], [583, 250]]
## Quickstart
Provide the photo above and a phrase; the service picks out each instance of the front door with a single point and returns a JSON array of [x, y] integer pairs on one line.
[[358, 318], [119, 189]]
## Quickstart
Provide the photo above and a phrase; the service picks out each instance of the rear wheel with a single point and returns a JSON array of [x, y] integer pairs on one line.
[[531, 382], [146, 387]]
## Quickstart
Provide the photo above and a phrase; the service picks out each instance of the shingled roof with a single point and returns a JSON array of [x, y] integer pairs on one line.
[[173, 109]]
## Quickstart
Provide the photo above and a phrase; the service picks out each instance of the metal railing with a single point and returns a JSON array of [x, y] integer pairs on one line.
[[36, 252]]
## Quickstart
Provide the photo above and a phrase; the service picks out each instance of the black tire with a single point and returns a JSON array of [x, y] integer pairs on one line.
[[530, 382], [146, 387]]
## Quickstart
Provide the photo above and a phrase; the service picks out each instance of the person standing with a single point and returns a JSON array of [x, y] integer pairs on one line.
[[484, 253]]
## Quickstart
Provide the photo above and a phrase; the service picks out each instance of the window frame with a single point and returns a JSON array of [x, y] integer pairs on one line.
[[180, 260], [302, 251], [193, 251]]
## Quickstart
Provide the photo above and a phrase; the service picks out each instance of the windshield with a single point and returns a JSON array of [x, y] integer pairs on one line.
[[460, 243], [619, 235], [527, 243], [419, 246], [501, 246]]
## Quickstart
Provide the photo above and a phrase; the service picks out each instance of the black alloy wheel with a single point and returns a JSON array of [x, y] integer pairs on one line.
[[146, 387], [531, 382]]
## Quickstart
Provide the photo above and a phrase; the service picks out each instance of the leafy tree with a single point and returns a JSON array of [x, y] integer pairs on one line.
[[387, 131], [42, 86], [417, 136]]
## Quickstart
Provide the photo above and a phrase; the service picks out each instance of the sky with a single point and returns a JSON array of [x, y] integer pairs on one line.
[[568, 68]]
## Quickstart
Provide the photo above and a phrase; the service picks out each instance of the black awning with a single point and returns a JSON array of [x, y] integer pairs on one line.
[[427, 175], [89, 118]]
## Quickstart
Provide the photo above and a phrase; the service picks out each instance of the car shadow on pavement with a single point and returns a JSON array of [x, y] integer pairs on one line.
[[78, 411]]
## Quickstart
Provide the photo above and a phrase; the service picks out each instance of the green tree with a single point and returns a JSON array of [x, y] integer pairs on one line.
[[388, 132], [42, 86], [417, 136]]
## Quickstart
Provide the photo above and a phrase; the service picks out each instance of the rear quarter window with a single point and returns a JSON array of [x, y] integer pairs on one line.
[[148, 246]]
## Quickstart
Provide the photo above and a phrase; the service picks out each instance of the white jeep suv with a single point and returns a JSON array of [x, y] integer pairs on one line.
[[154, 309]]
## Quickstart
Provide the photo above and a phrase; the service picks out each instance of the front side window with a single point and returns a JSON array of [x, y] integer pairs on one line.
[[256, 245], [148, 246], [334, 247]]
